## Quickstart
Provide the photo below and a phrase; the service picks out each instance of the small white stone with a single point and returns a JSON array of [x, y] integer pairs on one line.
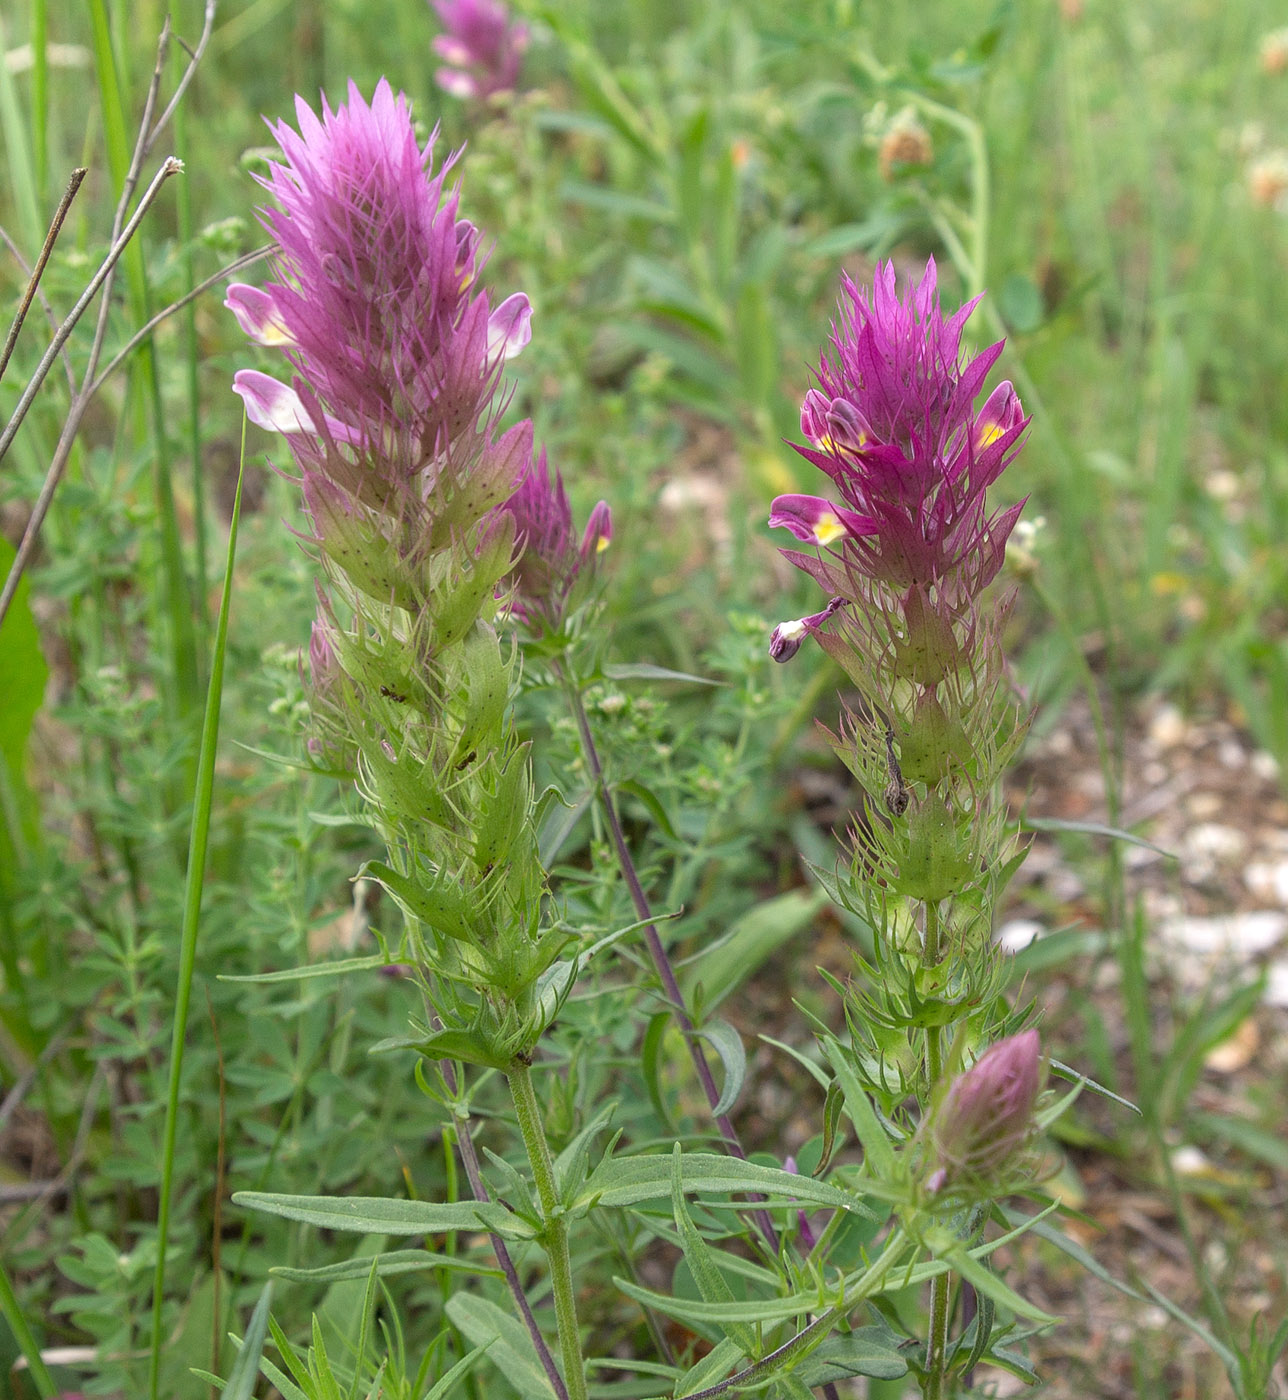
[[1222, 843], [1167, 728], [1231, 754], [1189, 1161], [1277, 984], [1265, 765], [1222, 484], [1203, 805], [1016, 934], [1267, 879], [1240, 935]]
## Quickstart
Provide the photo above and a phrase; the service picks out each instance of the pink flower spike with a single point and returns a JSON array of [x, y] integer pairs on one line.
[[509, 327], [483, 46], [258, 315]]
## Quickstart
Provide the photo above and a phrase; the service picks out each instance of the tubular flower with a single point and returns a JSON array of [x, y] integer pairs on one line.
[[987, 1113], [397, 351], [892, 423], [552, 560], [483, 49], [788, 637]]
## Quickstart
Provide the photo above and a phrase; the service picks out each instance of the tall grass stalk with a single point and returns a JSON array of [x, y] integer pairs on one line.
[[11, 1311], [199, 840]]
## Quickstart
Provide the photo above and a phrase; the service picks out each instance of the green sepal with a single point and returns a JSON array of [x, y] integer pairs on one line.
[[355, 542], [932, 743], [935, 862], [436, 901], [927, 651], [502, 813], [484, 690], [457, 597]]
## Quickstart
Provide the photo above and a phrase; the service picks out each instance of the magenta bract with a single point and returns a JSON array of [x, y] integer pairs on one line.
[[893, 425], [551, 558]]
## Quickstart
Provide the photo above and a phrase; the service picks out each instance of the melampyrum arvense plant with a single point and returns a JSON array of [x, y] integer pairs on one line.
[[443, 548]]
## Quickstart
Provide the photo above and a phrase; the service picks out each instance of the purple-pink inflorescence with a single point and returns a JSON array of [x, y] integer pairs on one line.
[[893, 424], [376, 304], [987, 1114], [481, 46], [552, 557]]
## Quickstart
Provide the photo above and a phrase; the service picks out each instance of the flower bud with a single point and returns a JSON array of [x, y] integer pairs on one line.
[[985, 1117], [788, 637]]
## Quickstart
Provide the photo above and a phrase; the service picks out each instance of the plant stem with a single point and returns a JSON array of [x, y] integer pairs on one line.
[[937, 1339], [555, 1233], [470, 1161], [657, 950]]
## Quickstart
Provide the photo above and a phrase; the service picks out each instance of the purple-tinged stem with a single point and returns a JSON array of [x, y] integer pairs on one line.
[[470, 1161], [657, 950]]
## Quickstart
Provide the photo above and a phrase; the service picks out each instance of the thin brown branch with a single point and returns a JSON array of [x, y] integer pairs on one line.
[[120, 243], [55, 228], [25, 268], [141, 335], [102, 277], [194, 57]]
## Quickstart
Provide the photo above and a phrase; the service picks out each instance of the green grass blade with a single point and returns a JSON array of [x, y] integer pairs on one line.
[[12, 1313], [245, 1371], [40, 92], [191, 917], [22, 182], [172, 585]]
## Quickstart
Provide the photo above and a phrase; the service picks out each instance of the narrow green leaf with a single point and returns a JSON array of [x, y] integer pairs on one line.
[[713, 1367], [25, 676], [727, 1043], [375, 1215], [21, 176], [702, 1265], [730, 961], [867, 1351], [1218, 1349], [1068, 1072], [975, 1272], [650, 800], [194, 884], [1052, 1233], [509, 1346], [305, 974], [11, 1311], [651, 1062], [449, 1378], [1095, 829], [630, 206], [1268, 1147], [646, 671], [877, 1149], [627, 1181], [240, 1384], [389, 1264]]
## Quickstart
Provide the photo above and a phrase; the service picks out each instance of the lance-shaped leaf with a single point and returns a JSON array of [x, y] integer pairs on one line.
[[378, 1215]]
